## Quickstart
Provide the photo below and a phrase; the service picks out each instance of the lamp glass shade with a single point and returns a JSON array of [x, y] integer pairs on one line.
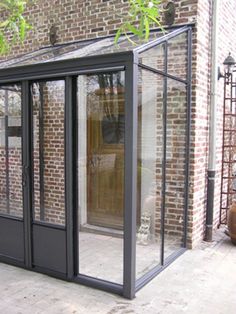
[[229, 64]]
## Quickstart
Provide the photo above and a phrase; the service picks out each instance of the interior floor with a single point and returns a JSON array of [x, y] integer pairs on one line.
[[101, 256]]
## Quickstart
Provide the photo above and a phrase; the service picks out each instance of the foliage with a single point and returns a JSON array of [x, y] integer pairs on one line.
[[141, 14], [13, 26]]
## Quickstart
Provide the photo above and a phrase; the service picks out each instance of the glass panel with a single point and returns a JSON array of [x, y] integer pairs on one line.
[[127, 45], [101, 118], [46, 54], [178, 56], [154, 57], [11, 198], [175, 165], [23, 58], [77, 50], [48, 100], [150, 154]]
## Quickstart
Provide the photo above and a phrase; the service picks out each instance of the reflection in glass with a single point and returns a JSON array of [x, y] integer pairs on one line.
[[175, 166], [77, 50], [101, 115], [178, 56], [11, 201], [48, 99], [154, 57], [150, 153]]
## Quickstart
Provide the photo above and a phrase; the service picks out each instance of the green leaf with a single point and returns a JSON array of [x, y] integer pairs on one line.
[[147, 29], [133, 29], [4, 24], [139, 17], [22, 29], [13, 29], [130, 40], [118, 34]]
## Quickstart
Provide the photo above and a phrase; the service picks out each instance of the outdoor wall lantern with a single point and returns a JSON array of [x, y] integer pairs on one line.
[[229, 64]]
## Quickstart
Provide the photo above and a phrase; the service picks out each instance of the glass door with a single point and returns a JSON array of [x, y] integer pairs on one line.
[[11, 191], [48, 227]]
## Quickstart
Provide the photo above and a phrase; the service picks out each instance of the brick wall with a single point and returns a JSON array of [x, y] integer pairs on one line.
[[83, 19], [201, 107]]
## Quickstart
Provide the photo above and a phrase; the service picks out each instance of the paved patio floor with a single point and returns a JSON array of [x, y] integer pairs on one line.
[[202, 280]]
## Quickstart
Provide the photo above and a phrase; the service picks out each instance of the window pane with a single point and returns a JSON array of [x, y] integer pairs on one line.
[[175, 165], [48, 99], [95, 47], [178, 56], [150, 154], [11, 200], [154, 57], [101, 118]]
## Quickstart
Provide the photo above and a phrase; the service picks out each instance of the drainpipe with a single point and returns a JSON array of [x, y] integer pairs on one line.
[[212, 127]]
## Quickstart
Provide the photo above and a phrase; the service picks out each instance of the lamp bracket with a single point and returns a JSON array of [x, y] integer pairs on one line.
[[219, 75], [169, 13], [53, 35]]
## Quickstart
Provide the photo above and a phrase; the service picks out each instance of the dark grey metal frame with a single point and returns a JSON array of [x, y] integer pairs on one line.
[[7, 135], [41, 151], [7, 151], [164, 40], [68, 70]]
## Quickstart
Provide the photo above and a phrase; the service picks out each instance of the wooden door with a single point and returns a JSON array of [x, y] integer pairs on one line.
[[105, 158]]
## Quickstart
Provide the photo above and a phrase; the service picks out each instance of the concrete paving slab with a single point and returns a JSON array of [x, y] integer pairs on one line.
[[202, 280]]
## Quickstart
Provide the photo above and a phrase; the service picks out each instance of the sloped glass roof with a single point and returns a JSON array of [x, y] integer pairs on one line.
[[98, 46]]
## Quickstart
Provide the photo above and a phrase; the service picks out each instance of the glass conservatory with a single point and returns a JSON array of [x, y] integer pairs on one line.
[[94, 159]]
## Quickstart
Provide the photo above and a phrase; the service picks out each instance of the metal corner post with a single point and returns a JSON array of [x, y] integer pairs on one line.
[[131, 120], [188, 134], [69, 169]]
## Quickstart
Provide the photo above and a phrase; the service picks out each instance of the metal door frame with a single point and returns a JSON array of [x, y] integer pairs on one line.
[[13, 246]]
